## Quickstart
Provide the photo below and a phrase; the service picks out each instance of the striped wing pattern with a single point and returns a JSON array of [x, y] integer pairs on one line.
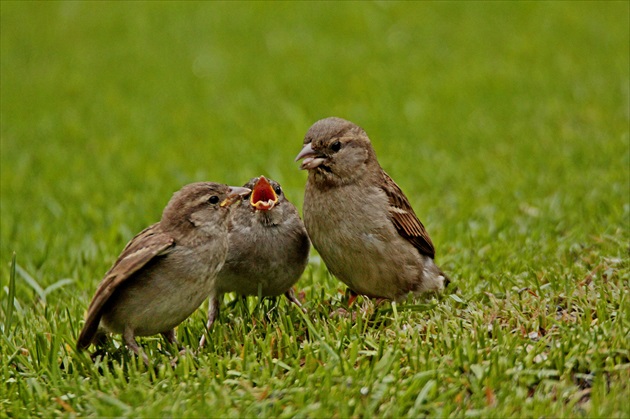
[[404, 218], [143, 248]]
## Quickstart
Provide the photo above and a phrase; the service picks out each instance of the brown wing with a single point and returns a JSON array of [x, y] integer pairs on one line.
[[405, 220], [148, 244]]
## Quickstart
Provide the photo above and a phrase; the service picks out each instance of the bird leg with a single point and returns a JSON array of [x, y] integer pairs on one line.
[[352, 296], [290, 294], [380, 300], [130, 341], [213, 313], [171, 338], [345, 312]]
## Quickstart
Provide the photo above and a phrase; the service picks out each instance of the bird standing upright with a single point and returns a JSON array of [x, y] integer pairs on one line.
[[268, 247], [359, 220], [167, 270]]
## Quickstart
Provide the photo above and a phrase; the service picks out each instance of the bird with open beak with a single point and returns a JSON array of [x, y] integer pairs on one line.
[[165, 272], [268, 247], [359, 220]]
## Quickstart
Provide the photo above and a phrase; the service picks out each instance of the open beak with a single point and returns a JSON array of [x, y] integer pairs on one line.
[[263, 197], [312, 159], [235, 194]]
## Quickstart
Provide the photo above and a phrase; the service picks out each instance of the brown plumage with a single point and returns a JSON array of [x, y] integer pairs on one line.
[[167, 270], [359, 220], [405, 219], [268, 247], [149, 243]]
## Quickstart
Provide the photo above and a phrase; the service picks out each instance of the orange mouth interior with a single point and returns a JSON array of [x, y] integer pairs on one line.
[[263, 197]]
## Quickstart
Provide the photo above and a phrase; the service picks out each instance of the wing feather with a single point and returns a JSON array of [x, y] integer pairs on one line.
[[143, 248], [404, 218]]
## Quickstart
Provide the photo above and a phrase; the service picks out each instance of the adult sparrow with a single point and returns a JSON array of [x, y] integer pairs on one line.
[[359, 220], [268, 247], [166, 271]]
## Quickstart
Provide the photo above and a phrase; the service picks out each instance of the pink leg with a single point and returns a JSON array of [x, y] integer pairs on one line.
[[213, 313], [130, 340], [290, 294]]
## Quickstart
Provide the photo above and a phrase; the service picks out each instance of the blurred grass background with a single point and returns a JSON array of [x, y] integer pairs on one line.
[[506, 124], [477, 110]]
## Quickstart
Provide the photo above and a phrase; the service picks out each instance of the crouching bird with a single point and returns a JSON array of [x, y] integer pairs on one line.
[[268, 247], [167, 270], [359, 220]]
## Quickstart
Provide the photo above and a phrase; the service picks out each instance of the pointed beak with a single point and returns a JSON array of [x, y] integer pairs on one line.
[[263, 196], [235, 194], [312, 159]]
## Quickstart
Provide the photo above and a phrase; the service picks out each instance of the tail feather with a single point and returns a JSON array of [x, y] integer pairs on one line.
[[89, 331], [433, 278]]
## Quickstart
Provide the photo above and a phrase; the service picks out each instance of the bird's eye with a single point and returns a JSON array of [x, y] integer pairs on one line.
[[213, 200], [278, 190], [336, 146]]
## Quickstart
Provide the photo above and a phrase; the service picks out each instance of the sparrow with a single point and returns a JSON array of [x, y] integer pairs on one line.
[[268, 247], [165, 272], [359, 220]]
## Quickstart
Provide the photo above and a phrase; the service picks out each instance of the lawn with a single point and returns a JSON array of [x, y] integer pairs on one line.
[[506, 124]]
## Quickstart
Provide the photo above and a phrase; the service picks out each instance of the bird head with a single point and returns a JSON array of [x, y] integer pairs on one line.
[[264, 195], [336, 151], [201, 204]]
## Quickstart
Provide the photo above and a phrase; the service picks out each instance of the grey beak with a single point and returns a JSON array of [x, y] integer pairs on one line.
[[312, 159], [235, 194], [306, 151]]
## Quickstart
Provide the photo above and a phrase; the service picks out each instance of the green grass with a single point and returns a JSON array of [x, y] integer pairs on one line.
[[506, 124]]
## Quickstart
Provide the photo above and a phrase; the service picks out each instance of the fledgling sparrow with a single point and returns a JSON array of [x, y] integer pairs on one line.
[[167, 270], [268, 247], [359, 220]]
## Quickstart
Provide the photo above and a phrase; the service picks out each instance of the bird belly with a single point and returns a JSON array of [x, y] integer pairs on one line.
[[261, 265], [157, 302], [368, 255], [369, 267]]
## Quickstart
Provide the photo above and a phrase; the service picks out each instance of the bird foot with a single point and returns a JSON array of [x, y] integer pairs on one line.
[[343, 313], [290, 294], [213, 313], [181, 353]]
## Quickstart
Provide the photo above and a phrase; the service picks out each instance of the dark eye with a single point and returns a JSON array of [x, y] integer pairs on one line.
[[278, 190], [336, 146], [213, 200]]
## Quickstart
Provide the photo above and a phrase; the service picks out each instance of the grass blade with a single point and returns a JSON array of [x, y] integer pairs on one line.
[[31, 281], [57, 285], [8, 312]]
